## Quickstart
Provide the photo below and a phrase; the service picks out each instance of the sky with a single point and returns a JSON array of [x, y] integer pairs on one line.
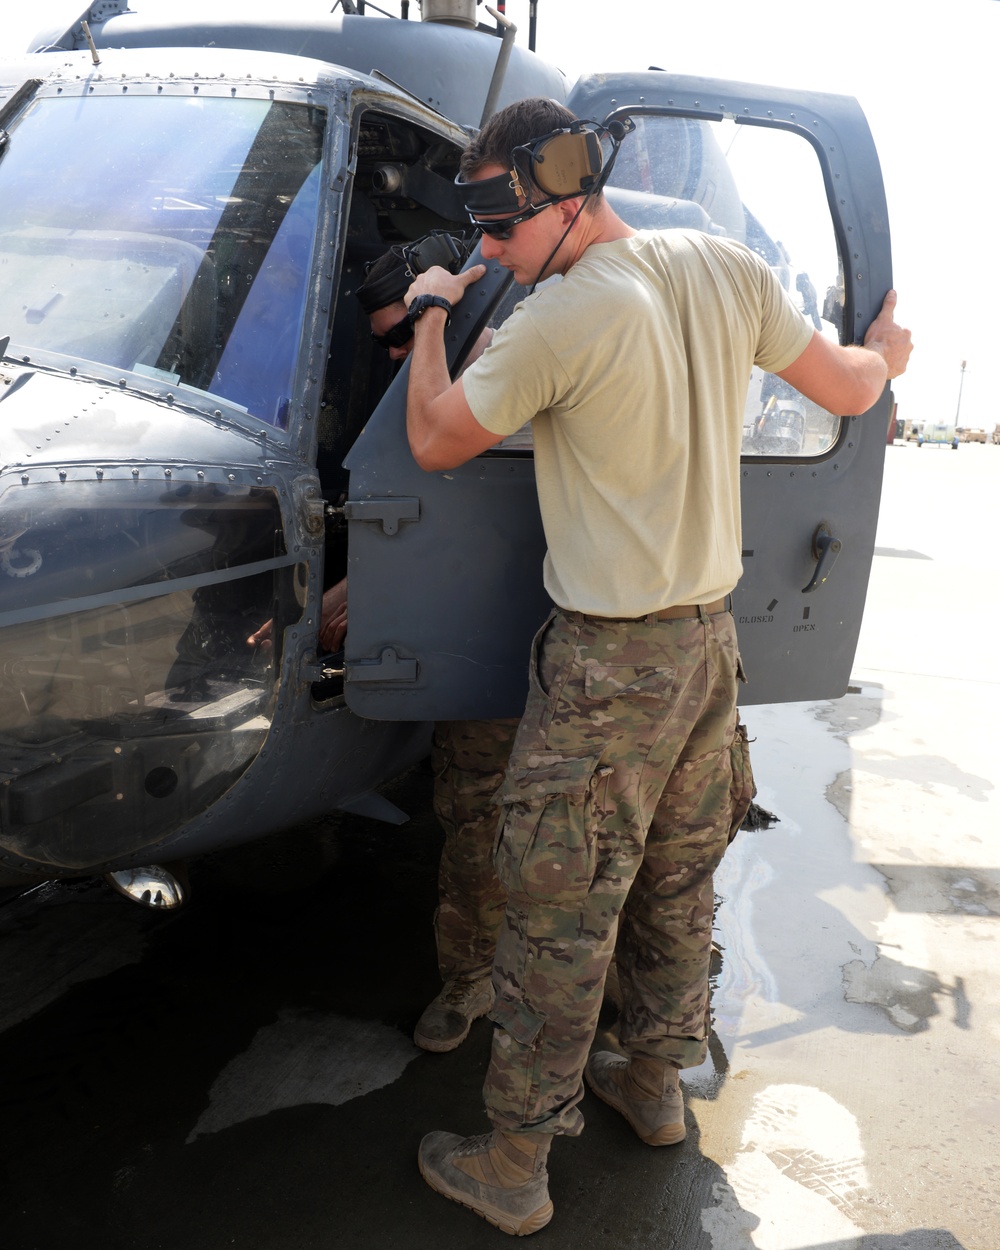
[[924, 74]]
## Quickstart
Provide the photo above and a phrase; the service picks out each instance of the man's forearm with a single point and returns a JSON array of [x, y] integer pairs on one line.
[[870, 374], [440, 426], [429, 379]]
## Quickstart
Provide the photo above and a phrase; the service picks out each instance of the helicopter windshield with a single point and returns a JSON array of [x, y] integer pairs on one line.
[[179, 251]]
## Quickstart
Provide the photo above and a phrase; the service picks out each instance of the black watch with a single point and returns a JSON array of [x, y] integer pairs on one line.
[[420, 303]]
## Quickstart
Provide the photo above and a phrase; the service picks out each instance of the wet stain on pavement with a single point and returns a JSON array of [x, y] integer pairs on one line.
[[943, 888], [910, 997]]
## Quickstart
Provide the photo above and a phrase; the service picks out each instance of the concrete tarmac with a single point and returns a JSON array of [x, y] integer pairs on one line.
[[241, 1073]]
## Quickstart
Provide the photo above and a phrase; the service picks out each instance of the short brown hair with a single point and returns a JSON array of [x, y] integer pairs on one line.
[[513, 126]]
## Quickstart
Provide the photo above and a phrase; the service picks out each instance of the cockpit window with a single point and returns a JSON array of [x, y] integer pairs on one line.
[[176, 244], [764, 187]]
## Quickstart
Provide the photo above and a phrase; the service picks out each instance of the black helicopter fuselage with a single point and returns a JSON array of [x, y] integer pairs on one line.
[[185, 215]]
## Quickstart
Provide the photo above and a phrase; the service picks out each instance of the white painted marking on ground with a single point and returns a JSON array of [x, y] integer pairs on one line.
[[305, 1058]]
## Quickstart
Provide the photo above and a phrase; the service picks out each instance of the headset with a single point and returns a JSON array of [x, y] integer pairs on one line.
[[560, 165], [437, 248]]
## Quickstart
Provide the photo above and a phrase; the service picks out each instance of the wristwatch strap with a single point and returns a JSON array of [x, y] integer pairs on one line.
[[421, 303]]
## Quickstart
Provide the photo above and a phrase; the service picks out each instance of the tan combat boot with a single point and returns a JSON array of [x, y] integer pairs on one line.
[[500, 1176], [446, 1021], [645, 1090]]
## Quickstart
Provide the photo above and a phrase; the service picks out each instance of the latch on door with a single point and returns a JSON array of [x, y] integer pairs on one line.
[[825, 549], [388, 667], [390, 511]]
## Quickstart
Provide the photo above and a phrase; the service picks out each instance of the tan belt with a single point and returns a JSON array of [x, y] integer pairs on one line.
[[685, 610]]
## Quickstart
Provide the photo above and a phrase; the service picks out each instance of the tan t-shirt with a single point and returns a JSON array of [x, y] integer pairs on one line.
[[634, 371]]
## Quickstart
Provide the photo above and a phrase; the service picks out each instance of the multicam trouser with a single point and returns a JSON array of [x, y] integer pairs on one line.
[[617, 805], [468, 758]]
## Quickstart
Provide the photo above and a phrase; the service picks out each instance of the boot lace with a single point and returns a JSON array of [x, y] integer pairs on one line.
[[460, 992], [476, 1145]]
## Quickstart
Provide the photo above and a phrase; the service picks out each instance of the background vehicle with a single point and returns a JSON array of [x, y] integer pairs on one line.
[[187, 388], [938, 432]]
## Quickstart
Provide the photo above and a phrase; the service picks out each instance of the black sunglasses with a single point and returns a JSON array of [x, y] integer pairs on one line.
[[503, 228], [398, 336]]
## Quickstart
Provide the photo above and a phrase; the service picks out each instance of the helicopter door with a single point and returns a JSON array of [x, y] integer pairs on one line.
[[445, 568]]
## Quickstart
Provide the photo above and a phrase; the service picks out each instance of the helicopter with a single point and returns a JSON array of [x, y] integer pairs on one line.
[[200, 435]]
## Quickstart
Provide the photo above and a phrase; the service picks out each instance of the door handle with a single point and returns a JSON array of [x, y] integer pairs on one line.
[[825, 549]]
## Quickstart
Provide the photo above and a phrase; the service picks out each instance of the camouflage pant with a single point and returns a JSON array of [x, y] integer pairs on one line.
[[468, 758], [617, 805]]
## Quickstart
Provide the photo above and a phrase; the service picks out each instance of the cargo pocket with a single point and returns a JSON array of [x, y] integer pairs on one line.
[[741, 788], [513, 1085], [522, 1022], [546, 848], [609, 681]]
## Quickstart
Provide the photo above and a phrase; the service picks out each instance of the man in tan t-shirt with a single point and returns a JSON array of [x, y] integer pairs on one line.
[[620, 794]]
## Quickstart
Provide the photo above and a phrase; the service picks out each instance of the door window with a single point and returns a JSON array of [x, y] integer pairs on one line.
[[764, 187]]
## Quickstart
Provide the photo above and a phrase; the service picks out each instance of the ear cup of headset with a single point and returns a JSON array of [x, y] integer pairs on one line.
[[437, 248], [566, 164]]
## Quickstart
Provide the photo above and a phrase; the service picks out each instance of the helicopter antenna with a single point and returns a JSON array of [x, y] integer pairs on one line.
[[500, 69], [90, 40]]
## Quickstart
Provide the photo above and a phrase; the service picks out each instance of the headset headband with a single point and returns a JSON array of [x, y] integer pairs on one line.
[[560, 165]]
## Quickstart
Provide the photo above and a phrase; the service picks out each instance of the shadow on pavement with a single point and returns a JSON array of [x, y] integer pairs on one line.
[[202, 1095]]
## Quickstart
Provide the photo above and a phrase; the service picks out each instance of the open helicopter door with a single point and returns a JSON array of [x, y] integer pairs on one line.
[[445, 580]]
